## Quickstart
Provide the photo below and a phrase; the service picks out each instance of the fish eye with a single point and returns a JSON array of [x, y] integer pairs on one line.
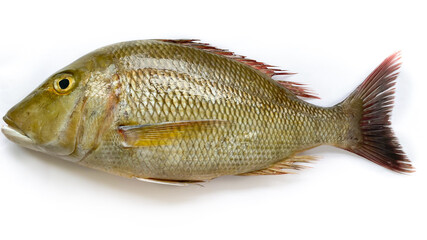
[[63, 83]]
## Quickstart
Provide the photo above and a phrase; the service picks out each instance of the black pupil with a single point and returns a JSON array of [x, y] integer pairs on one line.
[[64, 83]]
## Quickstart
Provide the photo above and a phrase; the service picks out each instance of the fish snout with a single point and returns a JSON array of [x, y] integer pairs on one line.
[[16, 135]]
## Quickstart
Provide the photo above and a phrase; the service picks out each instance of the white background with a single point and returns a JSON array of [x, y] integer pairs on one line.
[[333, 45]]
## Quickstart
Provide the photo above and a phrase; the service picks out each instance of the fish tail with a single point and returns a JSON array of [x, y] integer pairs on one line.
[[368, 109]]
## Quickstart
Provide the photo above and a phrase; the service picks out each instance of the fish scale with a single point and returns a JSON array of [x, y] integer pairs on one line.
[[254, 138]]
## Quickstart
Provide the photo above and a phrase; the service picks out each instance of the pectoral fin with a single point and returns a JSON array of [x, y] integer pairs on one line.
[[164, 133]]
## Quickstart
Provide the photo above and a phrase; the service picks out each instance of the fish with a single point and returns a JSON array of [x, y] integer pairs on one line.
[[182, 112]]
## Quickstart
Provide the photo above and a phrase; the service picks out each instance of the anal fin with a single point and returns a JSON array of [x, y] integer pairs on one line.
[[283, 167]]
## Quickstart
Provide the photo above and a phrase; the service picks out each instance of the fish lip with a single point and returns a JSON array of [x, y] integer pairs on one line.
[[13, 126], [16, 135]]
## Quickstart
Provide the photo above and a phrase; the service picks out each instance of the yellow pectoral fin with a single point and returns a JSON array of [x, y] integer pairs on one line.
[[164, 133]]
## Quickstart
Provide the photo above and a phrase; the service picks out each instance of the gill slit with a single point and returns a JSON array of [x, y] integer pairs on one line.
[[80, 126], [113, 100]]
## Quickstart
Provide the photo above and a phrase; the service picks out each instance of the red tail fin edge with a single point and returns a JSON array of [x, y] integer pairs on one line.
[[376, 95]]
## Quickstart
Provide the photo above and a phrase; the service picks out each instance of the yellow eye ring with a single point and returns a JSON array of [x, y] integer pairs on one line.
[[64, 83]]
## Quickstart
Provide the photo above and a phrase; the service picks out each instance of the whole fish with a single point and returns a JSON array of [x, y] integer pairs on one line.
[[181, 111]]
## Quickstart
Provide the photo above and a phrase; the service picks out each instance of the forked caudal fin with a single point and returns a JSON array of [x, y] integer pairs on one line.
[[371, 104]]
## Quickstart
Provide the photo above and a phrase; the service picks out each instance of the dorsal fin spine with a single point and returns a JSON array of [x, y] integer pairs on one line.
[[269, 70]]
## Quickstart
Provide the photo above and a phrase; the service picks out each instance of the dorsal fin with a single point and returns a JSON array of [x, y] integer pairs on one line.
[[297, 88]]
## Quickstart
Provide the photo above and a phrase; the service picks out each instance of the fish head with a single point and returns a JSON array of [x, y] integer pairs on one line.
[[46, 120], [55, 117]]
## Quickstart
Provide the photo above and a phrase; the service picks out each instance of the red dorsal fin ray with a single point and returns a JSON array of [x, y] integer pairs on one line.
[[296, 88]]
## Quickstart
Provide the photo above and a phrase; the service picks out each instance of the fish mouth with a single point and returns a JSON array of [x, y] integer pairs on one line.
[[16, 135]]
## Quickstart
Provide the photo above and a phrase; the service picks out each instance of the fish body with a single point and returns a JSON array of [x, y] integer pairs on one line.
[[183, 111]]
